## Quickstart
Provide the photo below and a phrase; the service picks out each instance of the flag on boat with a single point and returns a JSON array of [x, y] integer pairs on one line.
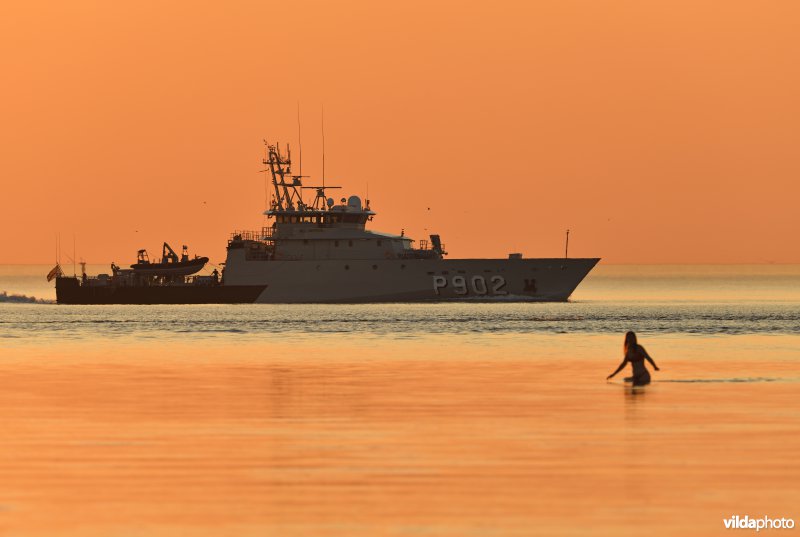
[[55, 273]]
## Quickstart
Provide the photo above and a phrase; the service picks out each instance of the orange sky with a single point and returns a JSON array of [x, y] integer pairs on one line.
[[658, 132]]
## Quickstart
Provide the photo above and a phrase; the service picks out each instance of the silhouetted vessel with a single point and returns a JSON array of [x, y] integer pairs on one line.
[[322, 252], [71, 290], [170, 264], [167, 281]]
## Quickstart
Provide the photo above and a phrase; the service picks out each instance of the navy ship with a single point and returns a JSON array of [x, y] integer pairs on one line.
[[322, 252]]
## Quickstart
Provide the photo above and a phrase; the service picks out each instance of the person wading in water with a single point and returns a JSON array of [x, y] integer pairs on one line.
[[636, 355]]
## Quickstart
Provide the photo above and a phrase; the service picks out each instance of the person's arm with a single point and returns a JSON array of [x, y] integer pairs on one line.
[[647, 356], [624, 361]]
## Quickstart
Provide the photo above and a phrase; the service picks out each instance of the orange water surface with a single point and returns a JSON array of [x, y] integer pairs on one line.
[[499, 436]]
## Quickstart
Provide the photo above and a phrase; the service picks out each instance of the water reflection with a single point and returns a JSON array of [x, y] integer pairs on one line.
[[301, 439]]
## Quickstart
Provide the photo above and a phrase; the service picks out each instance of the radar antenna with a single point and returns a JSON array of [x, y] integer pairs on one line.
[[320, 200], [299, 140], [323, 146]]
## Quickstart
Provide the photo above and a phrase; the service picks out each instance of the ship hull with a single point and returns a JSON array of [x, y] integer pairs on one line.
[[70, 291], [410, 280], [356, 281]]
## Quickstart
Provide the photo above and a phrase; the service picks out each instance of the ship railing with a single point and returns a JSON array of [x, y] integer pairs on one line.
[[424, 245], [265, 234], [425, 251], [94, 281], [208, 281]]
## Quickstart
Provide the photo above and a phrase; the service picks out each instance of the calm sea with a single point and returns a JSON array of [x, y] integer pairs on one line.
[[404, 419]]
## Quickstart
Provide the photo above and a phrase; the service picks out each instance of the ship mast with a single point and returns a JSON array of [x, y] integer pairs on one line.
[[288, 187], [286, 193]]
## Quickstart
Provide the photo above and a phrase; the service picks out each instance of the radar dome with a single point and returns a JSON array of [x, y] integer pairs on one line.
[[330, 202], [354, 202]]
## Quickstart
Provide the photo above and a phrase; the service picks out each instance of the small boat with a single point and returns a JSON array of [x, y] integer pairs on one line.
[[170, 264], [164, 282]]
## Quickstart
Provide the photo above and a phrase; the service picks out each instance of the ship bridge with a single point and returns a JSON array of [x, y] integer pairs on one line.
[[322, 229], [348, 212]]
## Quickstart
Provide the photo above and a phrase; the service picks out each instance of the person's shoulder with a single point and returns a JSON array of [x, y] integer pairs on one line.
[[641, 349]]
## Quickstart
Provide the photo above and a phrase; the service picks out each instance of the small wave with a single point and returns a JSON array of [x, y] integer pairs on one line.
[[211, 330], [734, 379]]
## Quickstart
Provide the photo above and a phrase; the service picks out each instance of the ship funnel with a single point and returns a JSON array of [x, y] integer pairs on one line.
[[436, 241]]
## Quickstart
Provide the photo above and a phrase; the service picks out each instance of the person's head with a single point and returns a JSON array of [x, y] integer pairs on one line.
[[630, 341]]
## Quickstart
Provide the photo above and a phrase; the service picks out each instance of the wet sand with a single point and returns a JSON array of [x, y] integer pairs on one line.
[[503, 437]]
